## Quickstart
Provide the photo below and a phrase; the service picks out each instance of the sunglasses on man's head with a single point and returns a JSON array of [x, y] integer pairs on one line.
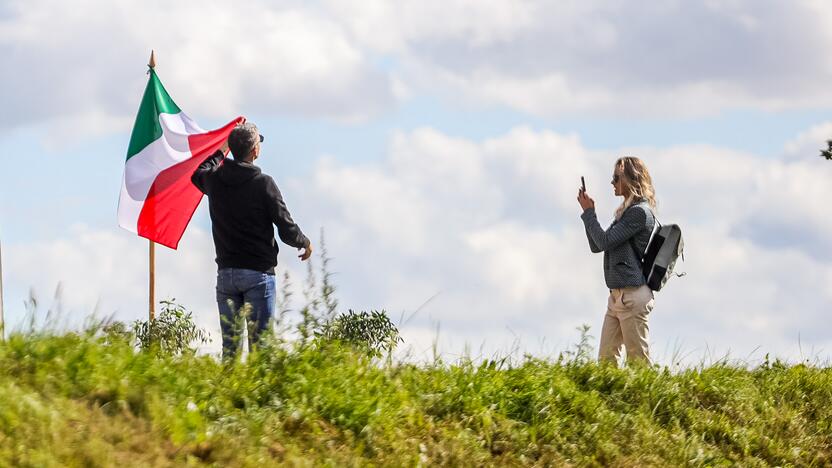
[[261, 138]]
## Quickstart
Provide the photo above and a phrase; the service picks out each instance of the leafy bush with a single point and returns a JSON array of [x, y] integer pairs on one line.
[[172, 331], [371, 332]]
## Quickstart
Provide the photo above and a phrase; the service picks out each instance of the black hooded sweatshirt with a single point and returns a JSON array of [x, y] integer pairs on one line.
[[244, 204]]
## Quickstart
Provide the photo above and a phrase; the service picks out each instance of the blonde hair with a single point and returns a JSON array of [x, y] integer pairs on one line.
[[637, 183]]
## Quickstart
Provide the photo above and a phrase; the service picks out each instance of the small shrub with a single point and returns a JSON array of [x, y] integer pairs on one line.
[[113, 332], [372, 332], [172, 331]]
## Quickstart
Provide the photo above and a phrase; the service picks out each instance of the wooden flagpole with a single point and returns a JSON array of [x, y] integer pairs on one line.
[[2, 318], [152, 288], [152, 259]]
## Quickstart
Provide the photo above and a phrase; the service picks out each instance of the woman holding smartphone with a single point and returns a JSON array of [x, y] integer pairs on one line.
[[623, 244]]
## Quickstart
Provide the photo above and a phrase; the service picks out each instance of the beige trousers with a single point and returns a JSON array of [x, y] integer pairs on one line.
[[626, 324]]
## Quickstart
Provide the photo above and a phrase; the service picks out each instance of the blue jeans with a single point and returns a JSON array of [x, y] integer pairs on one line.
[[240, 286]]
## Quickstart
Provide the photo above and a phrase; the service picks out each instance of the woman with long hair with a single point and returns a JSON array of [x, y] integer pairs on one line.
[[623, 244]]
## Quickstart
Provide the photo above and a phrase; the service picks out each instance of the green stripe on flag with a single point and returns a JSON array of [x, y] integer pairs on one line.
[[154, 102]]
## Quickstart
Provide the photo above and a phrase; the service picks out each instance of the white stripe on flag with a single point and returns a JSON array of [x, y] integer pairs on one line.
[[141, 170]]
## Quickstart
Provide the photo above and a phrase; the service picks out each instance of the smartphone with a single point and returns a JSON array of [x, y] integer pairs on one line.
[[583, 184]]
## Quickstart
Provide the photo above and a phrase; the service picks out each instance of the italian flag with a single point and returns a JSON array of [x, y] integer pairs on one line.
[[157, 197]]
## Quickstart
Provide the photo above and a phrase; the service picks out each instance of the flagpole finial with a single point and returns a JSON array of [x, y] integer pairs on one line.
[[152, 62]]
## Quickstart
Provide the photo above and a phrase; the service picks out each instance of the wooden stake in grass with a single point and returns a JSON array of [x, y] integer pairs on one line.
[[2, 319]]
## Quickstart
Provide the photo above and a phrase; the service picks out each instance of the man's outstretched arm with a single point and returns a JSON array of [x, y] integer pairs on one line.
[[287, 230]]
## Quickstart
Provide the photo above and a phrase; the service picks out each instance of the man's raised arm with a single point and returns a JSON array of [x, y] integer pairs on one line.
[[211, 163]]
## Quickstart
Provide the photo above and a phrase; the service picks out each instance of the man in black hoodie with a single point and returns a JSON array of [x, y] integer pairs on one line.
[[245, 204]]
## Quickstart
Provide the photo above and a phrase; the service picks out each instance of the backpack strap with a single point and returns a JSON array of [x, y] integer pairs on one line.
[[656, 226], [640, 255]]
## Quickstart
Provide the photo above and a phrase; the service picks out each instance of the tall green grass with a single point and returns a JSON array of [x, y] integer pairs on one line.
[[88, 399]]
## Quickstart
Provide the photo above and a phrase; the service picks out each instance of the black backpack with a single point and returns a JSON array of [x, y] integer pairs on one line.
[[663, 249]]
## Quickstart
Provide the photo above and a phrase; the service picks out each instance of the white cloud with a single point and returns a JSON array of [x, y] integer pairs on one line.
[[106, 272], [350, 61], [534, 264], [86, 262], [809, 142], [217, 59], [621, 59], [393, 212], [394, 26]]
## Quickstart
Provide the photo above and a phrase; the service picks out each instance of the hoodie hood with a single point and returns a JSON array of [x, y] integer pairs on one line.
[[233, 172]]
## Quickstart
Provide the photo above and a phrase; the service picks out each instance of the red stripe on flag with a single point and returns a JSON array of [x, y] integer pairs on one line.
[[173, 199]]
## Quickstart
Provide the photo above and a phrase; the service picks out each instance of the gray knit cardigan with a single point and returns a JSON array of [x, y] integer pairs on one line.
[[622, 266]]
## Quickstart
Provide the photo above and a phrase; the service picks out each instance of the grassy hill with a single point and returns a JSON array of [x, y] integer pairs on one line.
[[90, 399]]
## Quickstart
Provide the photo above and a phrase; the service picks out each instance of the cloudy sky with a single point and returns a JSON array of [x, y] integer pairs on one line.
[[439, 144]]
